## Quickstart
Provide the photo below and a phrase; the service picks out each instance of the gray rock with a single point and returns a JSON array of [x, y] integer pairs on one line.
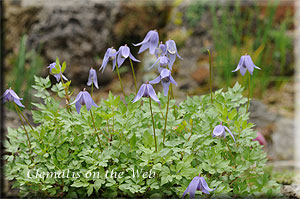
[[291, 191], [283, 139], [260, 115]]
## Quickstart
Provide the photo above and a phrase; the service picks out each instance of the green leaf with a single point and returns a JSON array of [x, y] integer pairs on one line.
[[63, 68]]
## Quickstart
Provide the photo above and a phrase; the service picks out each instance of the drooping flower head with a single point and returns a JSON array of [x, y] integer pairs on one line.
[[84, 98], [163, 61], [219, 131], [123, 53], [245, 64], [172, 52], [198, 183], [150, 41], [110, 54], [161, 50], [93, 78], [165, 78], [57, 76], [261, 139], [146, 90], [10, 95]]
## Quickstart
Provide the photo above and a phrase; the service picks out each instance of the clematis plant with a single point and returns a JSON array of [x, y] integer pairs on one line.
[[150, 42], [92, 79], [198, 183], [10, 95], [110, 54], [219, 131], [161, 50], [57, 74], [166, 79], [172, 52], [83, 98], [146, 90], [245, 64]]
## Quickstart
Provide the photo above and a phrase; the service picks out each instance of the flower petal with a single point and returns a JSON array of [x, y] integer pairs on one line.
[[152, 93], [218, 130], [154, 64], [172, 58], [144, 47], [155, 81], [140, 93], [78, 107], [120, 60], [227, 129], [146, 39], [166, 87], [133, 58], [172, 80], [77, 98], [124, 51], [17, 101], [205, 186], [153, 42], [192, 187]]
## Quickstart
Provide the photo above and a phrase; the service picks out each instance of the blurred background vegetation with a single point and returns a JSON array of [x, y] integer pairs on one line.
[[228, 29]]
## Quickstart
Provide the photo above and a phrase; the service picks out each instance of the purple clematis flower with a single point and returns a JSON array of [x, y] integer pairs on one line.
[[261, 139], [163, 61], [198, 183], [172, 52], [146, 90], [161, 50], [150, 41], [123, 53], [57, 76], [165, 78], [245, 64], [110, 54], [219, 131], [84, 98], [93, 78], [10, 95]]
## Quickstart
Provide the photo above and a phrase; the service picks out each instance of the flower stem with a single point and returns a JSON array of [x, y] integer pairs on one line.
[[248, 91], [92, 89], [191, 131], [153, 125], [229, 149], [29, 143], [66, 93], [136, 90], [17, 108], [171, 88], [210, 78], [166, 118], [117, 67]]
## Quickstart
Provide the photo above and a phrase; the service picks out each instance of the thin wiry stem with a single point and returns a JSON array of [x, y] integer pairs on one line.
[[153, 125], [92, 89], [248, 91], [29, 143], [210, 78], [117, 67], [166, 118], [17, 108], [136, 90], [96, 130]]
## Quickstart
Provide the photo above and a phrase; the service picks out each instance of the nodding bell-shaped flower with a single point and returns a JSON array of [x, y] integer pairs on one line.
[[198, 183], [93, 78], [165, 78], [10, 95], [161, 50], [245, 64], [110, 54], [172, 52], [150, 41], [123, 53], [84, 98], [261, 139], [57, 76], [219, 131], [163, 61], [146, 90]]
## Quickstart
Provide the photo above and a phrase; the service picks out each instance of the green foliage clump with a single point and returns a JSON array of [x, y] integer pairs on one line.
[[68, 160]]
